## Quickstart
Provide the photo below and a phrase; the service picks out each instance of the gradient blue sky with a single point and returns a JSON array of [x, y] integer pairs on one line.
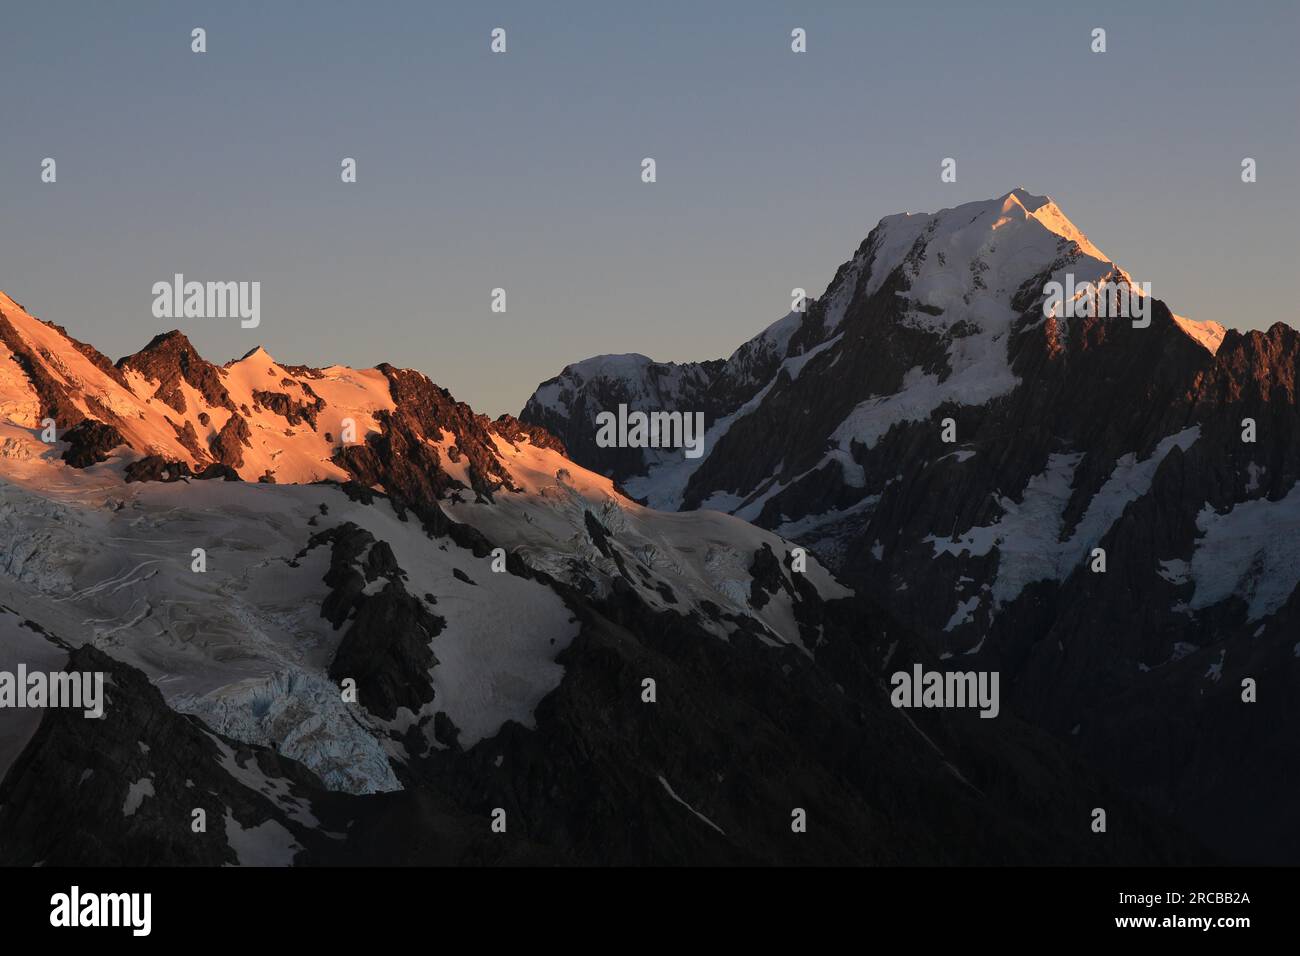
[[523, 171]]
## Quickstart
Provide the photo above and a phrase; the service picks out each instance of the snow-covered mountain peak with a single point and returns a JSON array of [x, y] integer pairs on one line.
[[1050, 217], [1009, 239], [648, 380], [257, 356], [931, 311], [1028, 200], [612, 364]]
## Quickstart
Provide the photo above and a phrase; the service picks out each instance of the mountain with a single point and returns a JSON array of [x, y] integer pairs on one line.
[[341, 618], [956, 446]]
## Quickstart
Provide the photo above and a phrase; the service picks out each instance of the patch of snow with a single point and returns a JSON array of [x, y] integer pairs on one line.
[[1253, 482], [278, 789], [1215, 671], [1174, 571], [1028, 534], [964, 614], [697, 813], [135, 794], [1252, 550], [266, 844]]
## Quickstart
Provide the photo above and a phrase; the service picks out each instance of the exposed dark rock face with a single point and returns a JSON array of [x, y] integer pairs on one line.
[[90, 442], [401, 459], [597, 532], [157, 468], [188, 437], [767, 577], [294, 412], [302, 371], [228, 444], [386, 648], [217, 470], [170, 359], [513, 430]]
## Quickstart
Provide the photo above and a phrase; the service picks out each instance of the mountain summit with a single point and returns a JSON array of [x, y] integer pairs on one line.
[[1077, 499]]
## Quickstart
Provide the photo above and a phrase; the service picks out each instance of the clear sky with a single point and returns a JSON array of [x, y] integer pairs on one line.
[[522, 170]]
